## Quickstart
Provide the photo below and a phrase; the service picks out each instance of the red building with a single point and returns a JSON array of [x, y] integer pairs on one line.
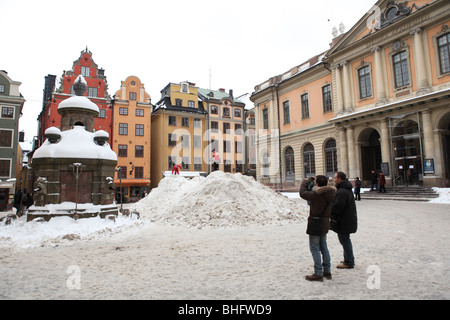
[[97, 92]]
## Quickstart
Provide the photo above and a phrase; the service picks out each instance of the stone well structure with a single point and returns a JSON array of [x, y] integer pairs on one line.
[[74, 168]]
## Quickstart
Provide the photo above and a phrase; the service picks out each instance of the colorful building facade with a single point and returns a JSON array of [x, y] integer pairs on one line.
[[178, 125], [131, 142], [97, 92]]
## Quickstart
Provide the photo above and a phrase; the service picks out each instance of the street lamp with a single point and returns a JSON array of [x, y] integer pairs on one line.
[[120, 188]]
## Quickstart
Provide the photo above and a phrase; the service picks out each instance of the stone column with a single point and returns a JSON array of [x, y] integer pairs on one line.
[[422, 78], [347, 87], [351, 153], [428, 139], [379, 81], [343, 150], [385, 145], [340, 97]]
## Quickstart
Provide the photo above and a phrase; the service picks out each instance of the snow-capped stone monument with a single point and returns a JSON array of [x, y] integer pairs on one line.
[[74, 167]]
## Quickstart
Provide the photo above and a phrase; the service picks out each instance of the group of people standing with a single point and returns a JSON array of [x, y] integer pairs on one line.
[[331, 207]]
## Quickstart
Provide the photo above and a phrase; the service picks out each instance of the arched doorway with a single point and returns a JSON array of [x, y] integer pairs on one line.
[[309, 161], [407, 153], [370, 152], [289, 164]]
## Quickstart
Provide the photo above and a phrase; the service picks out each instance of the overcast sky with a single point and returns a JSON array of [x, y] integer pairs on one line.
[[226, 44]]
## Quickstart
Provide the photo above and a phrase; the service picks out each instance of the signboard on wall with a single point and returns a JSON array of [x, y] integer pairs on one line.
[[428, 166], [385, 168]]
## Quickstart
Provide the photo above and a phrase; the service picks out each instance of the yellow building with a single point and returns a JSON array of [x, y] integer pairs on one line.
[[378, 99], [131, 139], [178, 132], [226, 125]]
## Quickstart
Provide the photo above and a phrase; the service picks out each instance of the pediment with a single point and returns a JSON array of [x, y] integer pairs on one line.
[[383, 14]]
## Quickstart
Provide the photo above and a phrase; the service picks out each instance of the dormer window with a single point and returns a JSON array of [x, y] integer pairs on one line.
[[85, 71], [184, 87]]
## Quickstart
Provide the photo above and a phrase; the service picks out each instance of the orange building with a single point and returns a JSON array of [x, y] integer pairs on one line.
[[378, 99], [131, 139]]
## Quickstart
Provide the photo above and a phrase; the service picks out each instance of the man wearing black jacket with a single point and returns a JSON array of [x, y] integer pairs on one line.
[[344, 218]]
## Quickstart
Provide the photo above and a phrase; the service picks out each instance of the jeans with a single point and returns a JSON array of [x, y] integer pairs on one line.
[[318, 247], [374, 184], [344, 239]]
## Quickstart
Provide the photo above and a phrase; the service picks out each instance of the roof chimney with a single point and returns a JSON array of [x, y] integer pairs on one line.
[[222, 90]]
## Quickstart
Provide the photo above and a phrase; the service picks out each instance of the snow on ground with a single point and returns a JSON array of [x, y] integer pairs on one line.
[[176, 252]]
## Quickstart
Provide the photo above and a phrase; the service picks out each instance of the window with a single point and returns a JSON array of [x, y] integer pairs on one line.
[[331, 157], [365, 84], [239, 166], [172, 120], [171, 160], [265, 119], [123, 111], [5, 166], [191, 104], [305, 106], [326, 97], [214, 126], [185, 122], [123, 129], [139, 112], [197, 141], [8, 112], [139, 151], [444, 52], [238, 128], [102, 113], [172, 139], [286, 114], [185, 163], [92, 92], [85, 71], [197, 123], [238, 147], [138, 172], [226, 146], [184, 87], [139, 130], [6, 138], [401, 73], [237, 113], [123, 150], [132, 95], [226, 112], [178, 102], [226, 127], [227, 166], [2, 88], [214, 110], [309, 161], [185, 140], [198, 163]]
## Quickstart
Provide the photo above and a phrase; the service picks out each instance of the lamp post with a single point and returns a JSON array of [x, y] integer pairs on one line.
[[120, 188]]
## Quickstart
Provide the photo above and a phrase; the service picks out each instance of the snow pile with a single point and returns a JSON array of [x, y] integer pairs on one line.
[[61, 229], [444, 195], [219, 200]]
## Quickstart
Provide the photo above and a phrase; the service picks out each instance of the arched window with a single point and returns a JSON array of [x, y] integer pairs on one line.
[[289, 164], [330, 157], [309, 161]]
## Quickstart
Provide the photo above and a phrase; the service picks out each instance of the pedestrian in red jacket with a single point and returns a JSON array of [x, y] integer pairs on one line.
[[176, 169]]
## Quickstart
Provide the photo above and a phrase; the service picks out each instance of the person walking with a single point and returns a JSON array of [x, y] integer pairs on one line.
[[357, 189], [321, 198], [344, 219], [382, 183], [176, 169], [374, 181]]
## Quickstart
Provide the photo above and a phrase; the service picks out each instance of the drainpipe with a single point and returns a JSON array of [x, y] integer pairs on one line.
[[279, 134]]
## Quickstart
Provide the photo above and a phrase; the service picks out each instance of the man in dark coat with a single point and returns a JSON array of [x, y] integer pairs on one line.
[[344, 218], [320, 197]]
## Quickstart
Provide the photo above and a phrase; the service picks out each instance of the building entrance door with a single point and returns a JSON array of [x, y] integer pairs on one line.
[[409, 171]]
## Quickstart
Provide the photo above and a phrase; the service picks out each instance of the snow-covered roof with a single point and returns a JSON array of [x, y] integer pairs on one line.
[[75, 143], [79, 102]]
